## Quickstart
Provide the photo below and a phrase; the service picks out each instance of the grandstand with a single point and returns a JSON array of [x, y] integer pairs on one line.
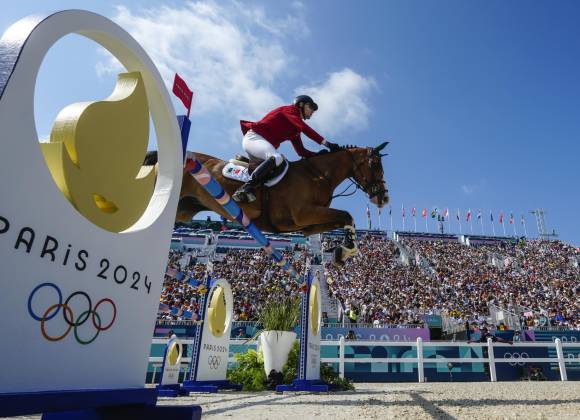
[[399, 279]]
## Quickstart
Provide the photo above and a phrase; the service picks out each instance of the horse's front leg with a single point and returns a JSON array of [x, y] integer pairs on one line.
[[312, 217]]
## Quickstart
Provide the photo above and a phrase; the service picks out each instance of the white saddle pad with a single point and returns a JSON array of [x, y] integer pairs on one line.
[[240, 173]]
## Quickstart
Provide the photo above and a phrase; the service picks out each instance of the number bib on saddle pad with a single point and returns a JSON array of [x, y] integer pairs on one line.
[[240, 173]]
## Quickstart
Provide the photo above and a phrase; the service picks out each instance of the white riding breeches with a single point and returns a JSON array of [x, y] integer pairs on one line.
[[257, 146]]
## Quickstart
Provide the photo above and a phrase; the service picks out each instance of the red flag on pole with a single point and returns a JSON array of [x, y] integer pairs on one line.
[[501, 217], [181, 90], [424, 213], [468, 217]]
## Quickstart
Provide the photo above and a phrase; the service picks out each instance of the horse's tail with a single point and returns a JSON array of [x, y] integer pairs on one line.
[[150, 158], [188, 206]]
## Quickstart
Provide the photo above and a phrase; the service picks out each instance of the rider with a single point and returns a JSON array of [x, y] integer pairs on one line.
[[262, 139]]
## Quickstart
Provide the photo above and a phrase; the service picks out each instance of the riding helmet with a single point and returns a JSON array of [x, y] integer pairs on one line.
[[306, 100]]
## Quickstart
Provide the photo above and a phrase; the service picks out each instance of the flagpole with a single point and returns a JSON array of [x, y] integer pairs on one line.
[[380, 226], [459, 222], [426, 227], [470, 222], [415, 222], [403, 212], [391, 217], [524, 224], [514, 225], [492, 223], [503, 227], [481, 222]]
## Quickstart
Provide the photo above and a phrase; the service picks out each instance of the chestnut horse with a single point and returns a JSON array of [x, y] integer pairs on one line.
[[300, 201]]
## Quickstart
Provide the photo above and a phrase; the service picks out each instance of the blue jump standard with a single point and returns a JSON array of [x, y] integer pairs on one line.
[[174, 390], [93, 404], [209, 386], [304, 385]]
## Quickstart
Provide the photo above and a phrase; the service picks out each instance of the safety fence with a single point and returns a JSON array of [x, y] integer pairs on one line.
[[565, 354]]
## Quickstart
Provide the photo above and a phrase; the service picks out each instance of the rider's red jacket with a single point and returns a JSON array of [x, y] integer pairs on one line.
[[281, 124]]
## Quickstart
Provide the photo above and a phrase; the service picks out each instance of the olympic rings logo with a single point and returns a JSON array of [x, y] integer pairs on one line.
[[214, 361], [517, 358], [69, 316]]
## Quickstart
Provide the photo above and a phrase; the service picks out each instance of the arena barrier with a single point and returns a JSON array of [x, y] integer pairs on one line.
[[90, 249], [433, 361]]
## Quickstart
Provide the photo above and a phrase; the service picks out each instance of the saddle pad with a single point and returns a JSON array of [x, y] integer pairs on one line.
[[240, 173]]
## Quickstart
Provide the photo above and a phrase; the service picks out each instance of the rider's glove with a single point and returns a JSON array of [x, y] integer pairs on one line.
[[333, 147]]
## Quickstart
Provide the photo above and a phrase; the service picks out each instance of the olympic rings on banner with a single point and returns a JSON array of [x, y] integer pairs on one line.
[[69, 316], [77, 323], [44, 318], [214, 361], [516, 358], [32, 314], [99, 328]]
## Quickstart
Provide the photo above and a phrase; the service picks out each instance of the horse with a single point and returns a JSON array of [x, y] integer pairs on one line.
[[300, 202]]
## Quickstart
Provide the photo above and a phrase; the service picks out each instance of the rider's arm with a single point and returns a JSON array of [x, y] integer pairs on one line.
[[299, 147], [293, 115]]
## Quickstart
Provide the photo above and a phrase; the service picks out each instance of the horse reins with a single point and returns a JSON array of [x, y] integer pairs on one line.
[[375, 187]]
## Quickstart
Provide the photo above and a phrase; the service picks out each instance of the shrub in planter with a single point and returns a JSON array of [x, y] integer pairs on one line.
[[250, 373], [278, 317]]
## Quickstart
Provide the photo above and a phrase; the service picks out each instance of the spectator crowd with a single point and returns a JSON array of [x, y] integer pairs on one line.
[[398, 282]]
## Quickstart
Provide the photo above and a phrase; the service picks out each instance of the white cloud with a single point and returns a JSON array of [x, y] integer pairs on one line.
[[342, 100], [230, 53], [468, 189], [233, 55]]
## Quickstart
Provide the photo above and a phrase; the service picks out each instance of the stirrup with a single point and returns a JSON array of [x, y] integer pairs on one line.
[[243, 196]]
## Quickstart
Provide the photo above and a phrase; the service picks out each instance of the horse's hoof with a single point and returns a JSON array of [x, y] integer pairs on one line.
[[348, 252]]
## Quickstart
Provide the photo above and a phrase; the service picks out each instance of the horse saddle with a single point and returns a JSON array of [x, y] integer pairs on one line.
[[240, 169]]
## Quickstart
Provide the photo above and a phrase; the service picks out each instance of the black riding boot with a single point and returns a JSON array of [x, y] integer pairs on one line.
[[245, 194]]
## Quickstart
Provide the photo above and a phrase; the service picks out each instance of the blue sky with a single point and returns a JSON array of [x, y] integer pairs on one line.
[[480, 100]]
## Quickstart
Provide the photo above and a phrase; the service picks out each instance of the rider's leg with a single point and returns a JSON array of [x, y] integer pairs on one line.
[[255, 145]]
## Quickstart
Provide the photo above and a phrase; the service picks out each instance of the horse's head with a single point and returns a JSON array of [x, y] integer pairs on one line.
[[368, 172]]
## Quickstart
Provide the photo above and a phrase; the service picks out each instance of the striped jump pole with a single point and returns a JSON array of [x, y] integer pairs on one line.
[[208, 182]]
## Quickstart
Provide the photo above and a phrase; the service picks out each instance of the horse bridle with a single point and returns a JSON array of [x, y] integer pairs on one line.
[[372, 188]]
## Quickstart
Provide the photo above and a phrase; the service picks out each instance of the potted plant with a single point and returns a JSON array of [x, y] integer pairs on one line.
[[278, 318]]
